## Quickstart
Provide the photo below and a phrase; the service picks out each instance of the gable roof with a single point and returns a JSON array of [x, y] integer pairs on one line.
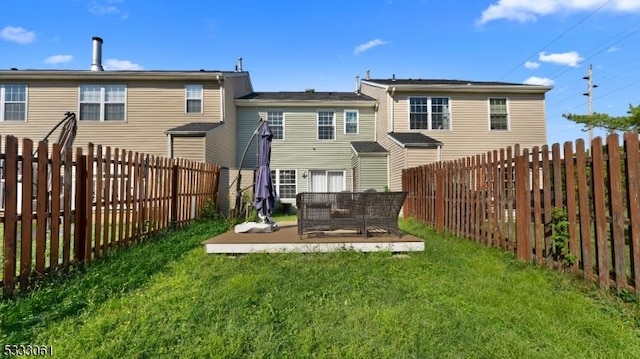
[[313, 98], [368, 147], [413, 139], [191, 75], [455, 85], [442, 82], [195, 129]]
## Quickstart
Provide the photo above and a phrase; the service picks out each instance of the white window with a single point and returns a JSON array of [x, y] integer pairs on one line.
[[13, 102], [275, 119], [350, 121], [429, 113], [285, 183], [326, 181], [498, 114], [193, 98], [102, 102], [326, 125]]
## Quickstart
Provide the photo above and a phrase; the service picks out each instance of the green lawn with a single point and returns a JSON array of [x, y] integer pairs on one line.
[[167, 298]]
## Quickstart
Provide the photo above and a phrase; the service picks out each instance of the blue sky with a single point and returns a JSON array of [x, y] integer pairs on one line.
[[295, 45]]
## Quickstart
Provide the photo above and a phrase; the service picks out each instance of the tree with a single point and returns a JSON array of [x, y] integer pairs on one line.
[[607, 122]]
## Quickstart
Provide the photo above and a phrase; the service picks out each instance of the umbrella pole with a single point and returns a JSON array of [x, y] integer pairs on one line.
[[239, 175]]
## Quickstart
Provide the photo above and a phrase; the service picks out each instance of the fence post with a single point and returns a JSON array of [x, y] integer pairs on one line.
[[174, 191], [80, 230], [523, 242], [440, 198]]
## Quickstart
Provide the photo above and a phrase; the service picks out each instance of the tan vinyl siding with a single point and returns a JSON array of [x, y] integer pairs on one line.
[[373, 173], [152, 107], [421, 156], [221, 141], [397, 162], [470, 132], [191, 148], [383, 109]]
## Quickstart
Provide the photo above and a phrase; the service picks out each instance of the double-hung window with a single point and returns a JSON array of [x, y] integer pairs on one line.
[[193, 98], [326, 125], [102, 102], [285, 183], [350, 121], [429, 113], [275, 119], [498, 114], [13, 102]]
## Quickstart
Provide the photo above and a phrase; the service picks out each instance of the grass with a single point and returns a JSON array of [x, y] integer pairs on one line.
[[167, 298]]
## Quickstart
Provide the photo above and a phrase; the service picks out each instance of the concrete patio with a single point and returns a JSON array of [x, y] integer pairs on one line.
[[286, 239]]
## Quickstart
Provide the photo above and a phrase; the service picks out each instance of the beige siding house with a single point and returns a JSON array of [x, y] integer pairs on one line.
[[323, 141], [423, 121], [314, 138]]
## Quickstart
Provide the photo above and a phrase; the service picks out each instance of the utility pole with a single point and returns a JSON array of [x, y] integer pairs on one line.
[[589, 94]]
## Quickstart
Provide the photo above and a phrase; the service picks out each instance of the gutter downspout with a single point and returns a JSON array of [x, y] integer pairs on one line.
[[393, 110], [375, 122], [170, 145], [221, 83], [440, 153]]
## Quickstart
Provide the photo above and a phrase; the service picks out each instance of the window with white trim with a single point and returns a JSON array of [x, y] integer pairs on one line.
[[193, 98], [326, 125], [275, 119], [285, 183], [429, 113], [350, 122], [102, 102], [498, 114], [13, 102]]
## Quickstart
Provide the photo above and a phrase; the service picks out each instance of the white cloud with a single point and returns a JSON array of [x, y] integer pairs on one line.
[[115, 64], [531, 64], [531, 10], [543, 81], [613, 49], [107, 7], [571, 58], [368, 45], [17, 34], [58, 59]]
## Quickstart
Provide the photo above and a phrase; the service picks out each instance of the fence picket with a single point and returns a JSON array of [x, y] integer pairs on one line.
[[597, 179], [26, 215], [586, 252], [10, 214], [614, 172], [632, 147], [570, 183], [41, 207], [56, 185]]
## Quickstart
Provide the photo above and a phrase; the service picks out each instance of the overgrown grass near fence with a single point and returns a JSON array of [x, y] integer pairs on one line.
[[167, 298], [507, 199]]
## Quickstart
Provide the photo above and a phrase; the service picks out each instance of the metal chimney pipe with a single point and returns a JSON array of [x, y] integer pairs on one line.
[[368, 75], [239, 65], [357, 83], [96, 62]]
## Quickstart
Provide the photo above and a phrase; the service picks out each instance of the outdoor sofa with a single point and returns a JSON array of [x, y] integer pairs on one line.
[[359, 211]]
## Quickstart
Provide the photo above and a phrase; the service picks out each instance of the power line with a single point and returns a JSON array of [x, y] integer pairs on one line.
[[556, 39]]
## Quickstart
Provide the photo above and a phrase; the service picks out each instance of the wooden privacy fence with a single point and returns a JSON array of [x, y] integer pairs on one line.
[[510, 200], [59, 211]]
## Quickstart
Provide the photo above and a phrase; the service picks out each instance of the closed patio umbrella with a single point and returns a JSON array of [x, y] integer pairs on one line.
[[264, 200]]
